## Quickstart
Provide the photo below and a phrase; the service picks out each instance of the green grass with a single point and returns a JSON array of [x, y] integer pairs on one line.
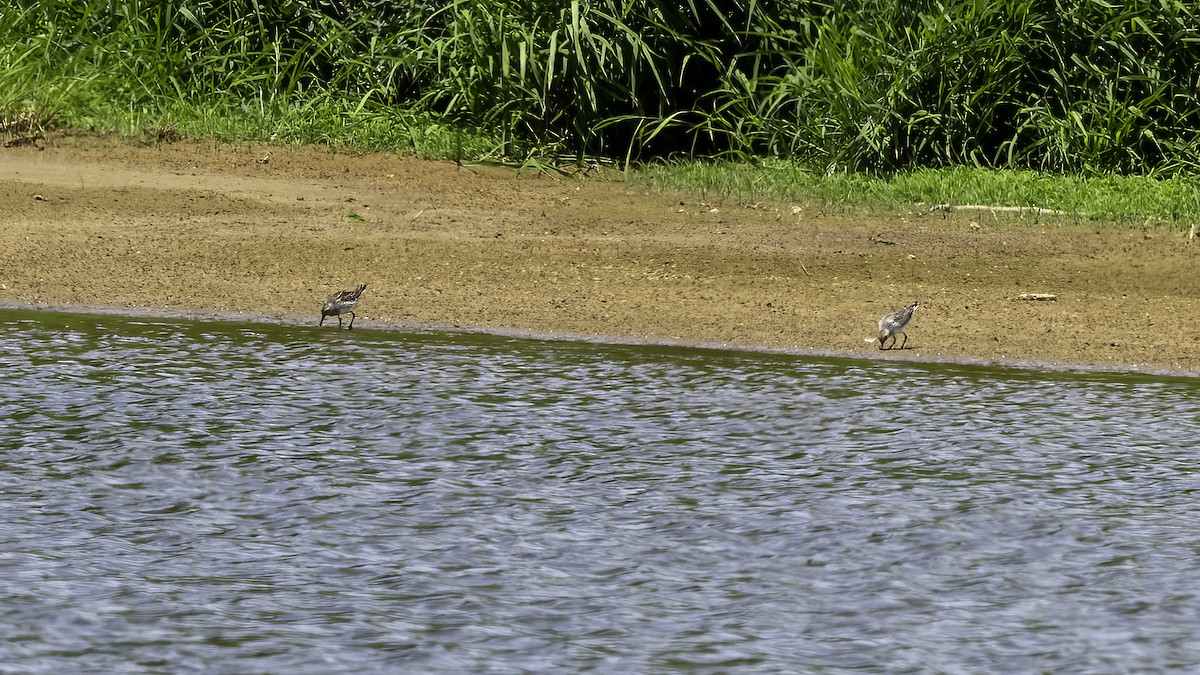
[[1124, 200], [326, 122], [323, 120]]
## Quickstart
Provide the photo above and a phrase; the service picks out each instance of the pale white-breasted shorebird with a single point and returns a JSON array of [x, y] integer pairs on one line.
[[893, 323], [340, 303]]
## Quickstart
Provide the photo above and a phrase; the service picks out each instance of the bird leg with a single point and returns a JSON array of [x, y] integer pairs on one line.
[[351, 326], [905, 340], [339, 316]]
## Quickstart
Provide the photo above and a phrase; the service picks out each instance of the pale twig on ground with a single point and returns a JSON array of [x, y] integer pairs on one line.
[[1003, 209]]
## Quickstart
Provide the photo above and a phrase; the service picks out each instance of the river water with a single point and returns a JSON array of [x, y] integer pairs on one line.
[[183, 496]]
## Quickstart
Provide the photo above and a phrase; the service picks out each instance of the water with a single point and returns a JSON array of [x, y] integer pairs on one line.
[[184, 496]]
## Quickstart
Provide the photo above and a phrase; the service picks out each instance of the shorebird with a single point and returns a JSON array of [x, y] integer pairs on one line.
[[893, 323], [340, 303]]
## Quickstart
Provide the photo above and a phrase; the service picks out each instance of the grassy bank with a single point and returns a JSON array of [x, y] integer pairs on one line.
[[1075, 105], [1059, 86]]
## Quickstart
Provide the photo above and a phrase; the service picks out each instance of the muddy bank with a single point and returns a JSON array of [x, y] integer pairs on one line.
[[218, 228]]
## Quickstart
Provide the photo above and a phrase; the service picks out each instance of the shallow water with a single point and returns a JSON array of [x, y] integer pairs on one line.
[[185, 495]]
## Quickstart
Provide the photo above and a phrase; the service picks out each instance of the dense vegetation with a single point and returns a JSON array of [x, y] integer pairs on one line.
[[1078, 87], [1066, 85]]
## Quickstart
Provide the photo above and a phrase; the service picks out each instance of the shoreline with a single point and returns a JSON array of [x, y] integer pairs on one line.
[[913, 358], [219, 230]]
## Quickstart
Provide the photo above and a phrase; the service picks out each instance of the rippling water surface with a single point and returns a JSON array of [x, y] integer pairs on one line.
[[182, 496]]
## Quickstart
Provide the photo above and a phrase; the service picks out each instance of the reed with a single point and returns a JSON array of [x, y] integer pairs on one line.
[[1073, 87]]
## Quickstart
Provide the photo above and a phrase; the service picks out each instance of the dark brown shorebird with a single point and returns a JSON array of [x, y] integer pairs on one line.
[[340, 303], [894, 323]]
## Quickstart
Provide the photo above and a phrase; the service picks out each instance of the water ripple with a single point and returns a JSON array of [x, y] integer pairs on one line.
[[204, 496]]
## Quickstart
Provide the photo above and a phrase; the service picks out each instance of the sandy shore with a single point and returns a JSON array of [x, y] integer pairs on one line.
[[213, 228]]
